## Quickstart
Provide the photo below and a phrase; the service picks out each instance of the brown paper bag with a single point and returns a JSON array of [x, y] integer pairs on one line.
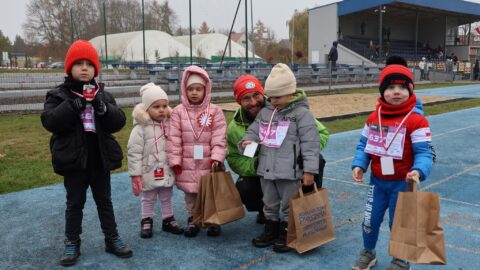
[[310, 221], [200, 201], [417, 235], [219, 202]]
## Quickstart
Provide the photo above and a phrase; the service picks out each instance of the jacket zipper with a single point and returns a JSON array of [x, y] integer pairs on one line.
[[294, 161]]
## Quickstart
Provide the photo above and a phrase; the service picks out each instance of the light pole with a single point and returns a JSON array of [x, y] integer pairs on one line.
[[293, 32]]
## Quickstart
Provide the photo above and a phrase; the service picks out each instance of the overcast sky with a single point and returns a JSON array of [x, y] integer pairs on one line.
[[217, 13]]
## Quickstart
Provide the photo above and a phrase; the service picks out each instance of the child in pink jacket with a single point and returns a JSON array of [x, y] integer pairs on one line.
[[197, 139]]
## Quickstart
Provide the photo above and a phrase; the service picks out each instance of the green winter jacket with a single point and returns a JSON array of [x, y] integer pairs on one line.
[[245, 166]]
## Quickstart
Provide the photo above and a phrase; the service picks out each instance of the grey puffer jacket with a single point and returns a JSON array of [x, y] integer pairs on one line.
[[302, 142], [142, 147]]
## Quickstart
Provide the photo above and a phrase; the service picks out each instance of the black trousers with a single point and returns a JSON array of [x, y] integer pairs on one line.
[[76, 185], [250, 192]]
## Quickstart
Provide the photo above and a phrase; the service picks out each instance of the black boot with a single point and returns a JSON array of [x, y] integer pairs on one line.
[[170, 225], [269, 236], [71, 253], [116, 246], [261, 217], [192, 229], [281, 243], [214, 230], [146, 228]]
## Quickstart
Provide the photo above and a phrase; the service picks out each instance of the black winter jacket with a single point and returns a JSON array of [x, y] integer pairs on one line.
[[68, 144]]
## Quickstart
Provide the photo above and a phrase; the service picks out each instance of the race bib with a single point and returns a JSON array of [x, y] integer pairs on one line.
[[278, 132], [376, 146]]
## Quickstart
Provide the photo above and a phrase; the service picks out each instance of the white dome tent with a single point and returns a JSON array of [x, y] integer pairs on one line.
[[208, 45], [129, 46]]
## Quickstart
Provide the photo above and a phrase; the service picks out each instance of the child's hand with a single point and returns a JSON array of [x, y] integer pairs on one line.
[[413, 176], [217, 165], [137, 185], [177, 169], [307, 179], [357, 174], [79, 104], [245, 143]]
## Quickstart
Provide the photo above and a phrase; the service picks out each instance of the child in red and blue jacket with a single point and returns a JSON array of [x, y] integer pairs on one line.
[[396, 140]]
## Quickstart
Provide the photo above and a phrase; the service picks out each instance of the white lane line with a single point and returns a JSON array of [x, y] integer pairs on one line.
[[441, 181], [340, 160], [366, 185], [454, 130], [463, 249], [460, 202], [352, 182]]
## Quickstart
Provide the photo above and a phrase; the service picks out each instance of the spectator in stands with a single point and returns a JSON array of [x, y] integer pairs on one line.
[[373, 49], [333, 55], [476, 70], [422, 65], [249, 94], [387, 48], [388, 33], [362, 28]]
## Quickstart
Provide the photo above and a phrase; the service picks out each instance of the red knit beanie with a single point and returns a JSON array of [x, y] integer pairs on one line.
[[81, 50], [395, 74], [246, 84]]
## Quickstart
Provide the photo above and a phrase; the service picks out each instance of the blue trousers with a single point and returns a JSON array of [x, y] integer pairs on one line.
[[382, 194]]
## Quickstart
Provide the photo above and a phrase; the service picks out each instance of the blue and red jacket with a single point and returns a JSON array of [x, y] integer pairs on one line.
[[417, 151]]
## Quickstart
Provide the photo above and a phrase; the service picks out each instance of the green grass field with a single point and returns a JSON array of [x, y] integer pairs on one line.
[[25, 156]]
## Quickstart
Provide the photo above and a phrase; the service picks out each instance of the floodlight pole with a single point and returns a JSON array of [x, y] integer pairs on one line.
[[246, 33], [71, 23], [253, 35], [190, 14], [105, 31], [293, 33], [143, 30], [380, 31]]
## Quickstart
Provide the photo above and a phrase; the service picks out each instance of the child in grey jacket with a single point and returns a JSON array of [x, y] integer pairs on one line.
[[286, 131]]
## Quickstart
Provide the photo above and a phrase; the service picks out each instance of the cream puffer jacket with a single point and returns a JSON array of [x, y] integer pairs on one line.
[[142, 150]]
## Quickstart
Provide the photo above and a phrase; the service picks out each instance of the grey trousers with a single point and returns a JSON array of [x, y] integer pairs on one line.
[[276, 197]]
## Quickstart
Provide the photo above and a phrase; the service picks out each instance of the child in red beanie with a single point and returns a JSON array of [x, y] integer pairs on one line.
[[396, 141], [82, 117]]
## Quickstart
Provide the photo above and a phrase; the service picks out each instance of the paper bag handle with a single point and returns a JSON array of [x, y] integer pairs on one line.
[[300, 191]]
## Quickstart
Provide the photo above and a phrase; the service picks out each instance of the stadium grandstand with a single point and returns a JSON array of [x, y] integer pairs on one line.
[[368, 31]]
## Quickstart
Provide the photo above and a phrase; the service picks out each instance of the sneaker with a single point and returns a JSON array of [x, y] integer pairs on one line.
[[146, 228], [116, 246], [170, 225], [269, 235], [261, 218], [366, 261], [397, 264], [192, 229], [71, 253], [280, 245], [214, 230]]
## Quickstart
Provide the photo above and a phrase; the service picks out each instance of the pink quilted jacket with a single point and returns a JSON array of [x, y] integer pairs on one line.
[[211, 129]]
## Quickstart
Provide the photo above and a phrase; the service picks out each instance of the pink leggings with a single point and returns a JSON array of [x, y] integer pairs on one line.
[[149, 198], [190, 199]]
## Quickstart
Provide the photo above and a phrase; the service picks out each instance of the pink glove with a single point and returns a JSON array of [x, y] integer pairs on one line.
[[137, 185]]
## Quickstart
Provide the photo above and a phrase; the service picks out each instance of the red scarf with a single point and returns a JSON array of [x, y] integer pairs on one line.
[[404, 108]]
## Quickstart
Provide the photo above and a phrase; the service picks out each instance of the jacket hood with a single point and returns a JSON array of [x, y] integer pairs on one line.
[[140, 115], [299, 100], [208, 86]]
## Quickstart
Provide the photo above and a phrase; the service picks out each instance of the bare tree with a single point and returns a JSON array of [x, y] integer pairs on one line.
[[204, 29]]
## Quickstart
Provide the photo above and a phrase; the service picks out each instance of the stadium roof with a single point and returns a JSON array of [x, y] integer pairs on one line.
[[452, 6]]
